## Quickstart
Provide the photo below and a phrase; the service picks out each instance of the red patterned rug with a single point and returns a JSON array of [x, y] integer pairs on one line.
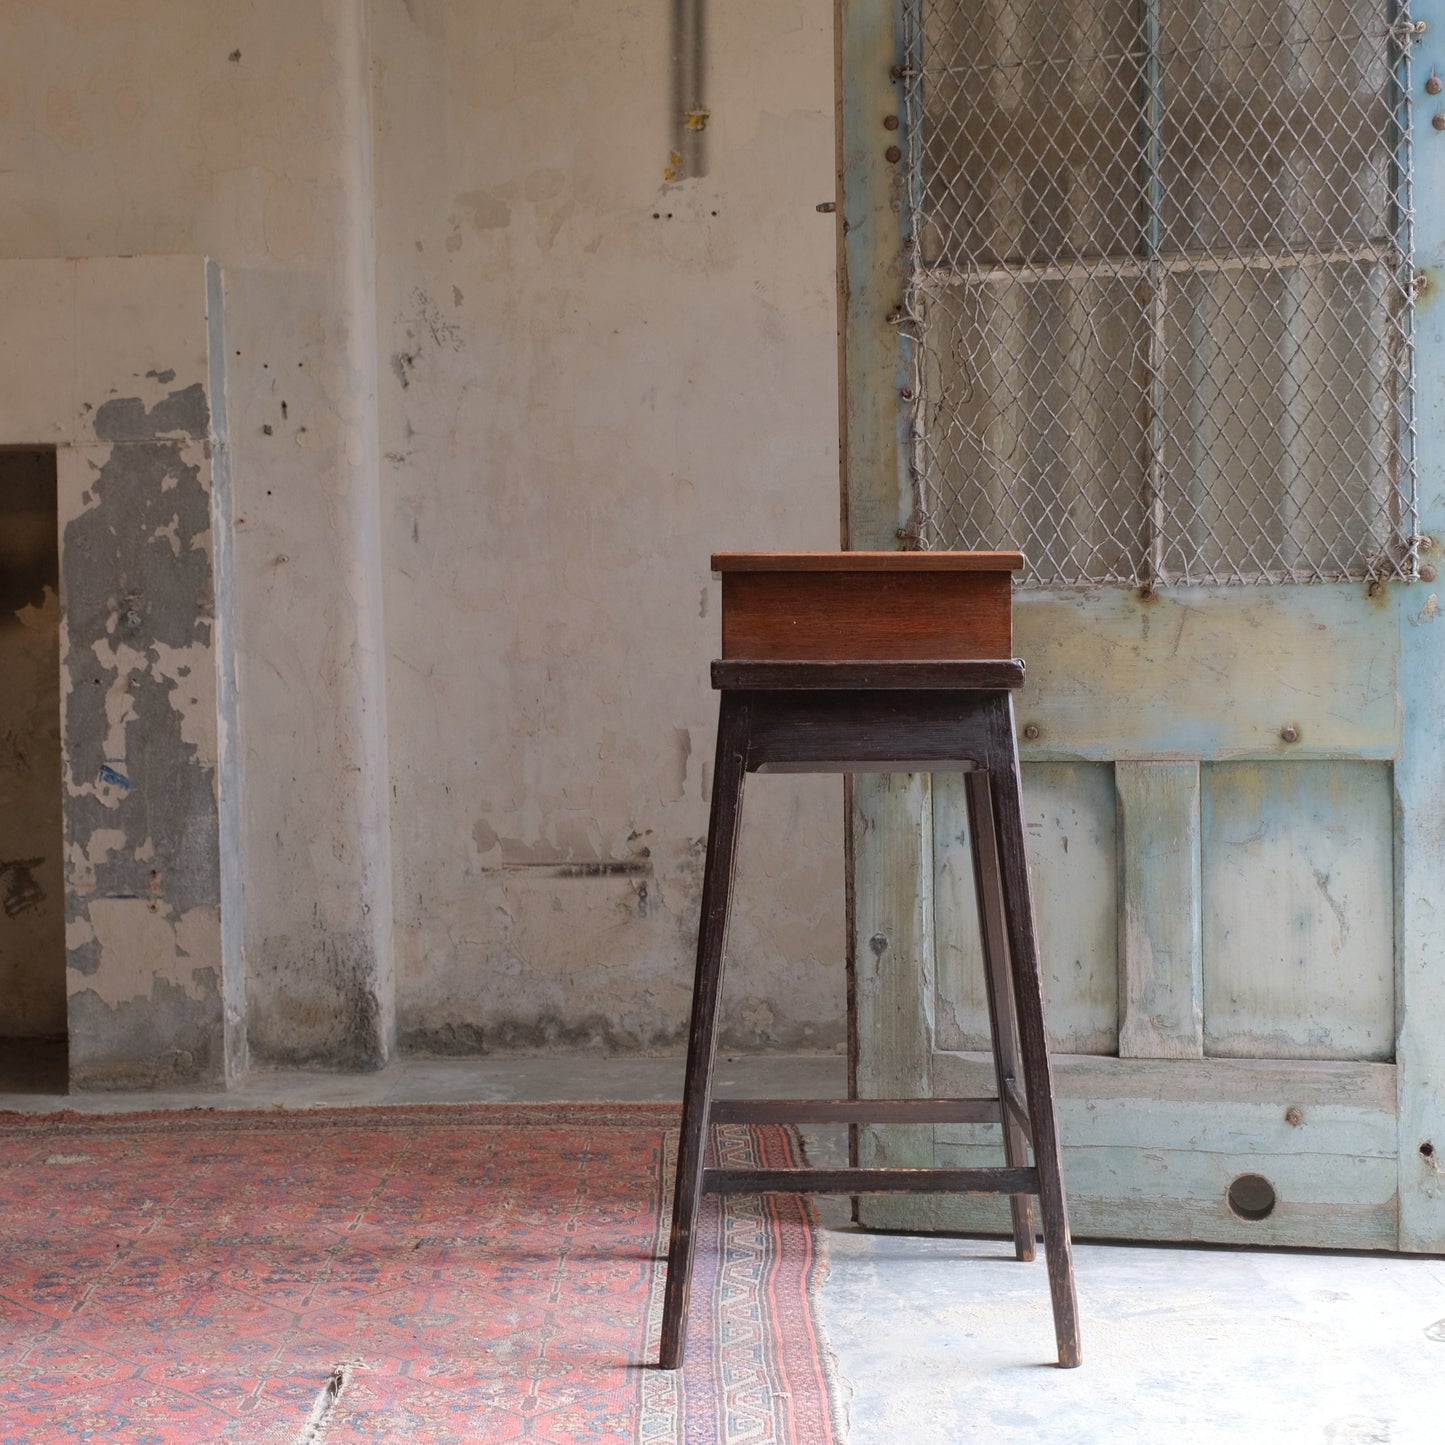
[[439, 1275]]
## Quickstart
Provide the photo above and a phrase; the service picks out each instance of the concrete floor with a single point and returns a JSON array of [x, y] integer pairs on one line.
[[946, 1339]]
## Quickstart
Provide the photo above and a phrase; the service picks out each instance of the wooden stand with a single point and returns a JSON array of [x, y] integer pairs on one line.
[[885, 708]]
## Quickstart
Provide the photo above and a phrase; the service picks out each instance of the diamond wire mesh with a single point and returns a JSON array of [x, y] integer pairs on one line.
[[1161, 287]]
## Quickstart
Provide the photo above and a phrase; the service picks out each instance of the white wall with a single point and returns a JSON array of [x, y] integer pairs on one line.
[[591, 380], [464, 359]]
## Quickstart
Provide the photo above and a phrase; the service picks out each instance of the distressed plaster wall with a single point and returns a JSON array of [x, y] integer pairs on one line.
[[592, 379], [32, 864], [479, 348], [109, 364], [243, 133]]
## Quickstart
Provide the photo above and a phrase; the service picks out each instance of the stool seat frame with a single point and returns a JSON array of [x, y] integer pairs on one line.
[[859, 717]]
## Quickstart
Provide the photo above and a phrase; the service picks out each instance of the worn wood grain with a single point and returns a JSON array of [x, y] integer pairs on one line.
[[1069, 813], [892, 950], [1206, 1082], [985, 1179], [1420, 775], [872, 676], [1161, 1000], [847, 1111], [875, 359], [885, 899], [1142, 1192], [1209, 673], [1298, 910], [729, 777], [1150, 1146], [866, 616], [891, 561], [1009, 1067]]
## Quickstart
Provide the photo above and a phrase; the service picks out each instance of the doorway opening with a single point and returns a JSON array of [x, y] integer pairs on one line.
[[32, 870]]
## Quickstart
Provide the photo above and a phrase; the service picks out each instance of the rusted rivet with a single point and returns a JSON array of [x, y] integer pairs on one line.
[[1438, 121], [1294, 1116], [890, 122], [1031, 731], [1427, 574], [1434, 85], [1289, 733], [892, 154]]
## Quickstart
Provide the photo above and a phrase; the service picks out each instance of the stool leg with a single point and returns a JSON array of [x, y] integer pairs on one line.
[[727, 800], [1038, 1074], [1002, 1023]]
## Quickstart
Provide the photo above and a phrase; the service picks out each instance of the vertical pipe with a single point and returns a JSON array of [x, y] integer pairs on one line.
[[689, 73]]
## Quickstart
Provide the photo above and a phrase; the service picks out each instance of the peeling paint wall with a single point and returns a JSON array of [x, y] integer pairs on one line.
[[243, 133], [32, 869], [143, 893], [108, 366], [495, 386]]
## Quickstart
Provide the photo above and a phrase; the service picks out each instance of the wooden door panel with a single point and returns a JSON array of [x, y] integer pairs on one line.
[[1257, 735], [1152, 1147], [1209, 673], [1298, 910], [1069, 816], [1255, 896]]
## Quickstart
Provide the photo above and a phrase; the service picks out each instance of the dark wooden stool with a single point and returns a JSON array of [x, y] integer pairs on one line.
[[810, 714]]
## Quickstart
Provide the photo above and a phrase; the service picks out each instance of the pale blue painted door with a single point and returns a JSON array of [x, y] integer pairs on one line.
[[1149, 290]]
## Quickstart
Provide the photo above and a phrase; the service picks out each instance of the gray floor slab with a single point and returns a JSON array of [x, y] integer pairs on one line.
[[950, 1340]]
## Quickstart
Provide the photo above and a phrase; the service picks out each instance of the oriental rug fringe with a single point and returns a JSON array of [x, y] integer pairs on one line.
[[446, 1275]]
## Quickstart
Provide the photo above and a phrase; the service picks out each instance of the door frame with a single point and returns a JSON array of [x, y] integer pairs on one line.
[[891, 959]]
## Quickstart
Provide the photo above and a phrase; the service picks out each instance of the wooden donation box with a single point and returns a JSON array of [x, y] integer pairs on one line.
[[880, 662]]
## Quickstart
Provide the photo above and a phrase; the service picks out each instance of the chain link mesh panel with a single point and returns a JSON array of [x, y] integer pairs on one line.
[[1161, 286]]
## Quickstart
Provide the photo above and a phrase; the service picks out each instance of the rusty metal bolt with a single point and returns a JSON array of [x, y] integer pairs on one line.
[[890, 122], [1294, 1116], [1031, 731], [1428, 574], [1289, 733], [1438, 121], [1434, 85], [893, 154]]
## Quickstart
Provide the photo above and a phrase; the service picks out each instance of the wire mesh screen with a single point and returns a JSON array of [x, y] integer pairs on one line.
[[1161, 286]]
